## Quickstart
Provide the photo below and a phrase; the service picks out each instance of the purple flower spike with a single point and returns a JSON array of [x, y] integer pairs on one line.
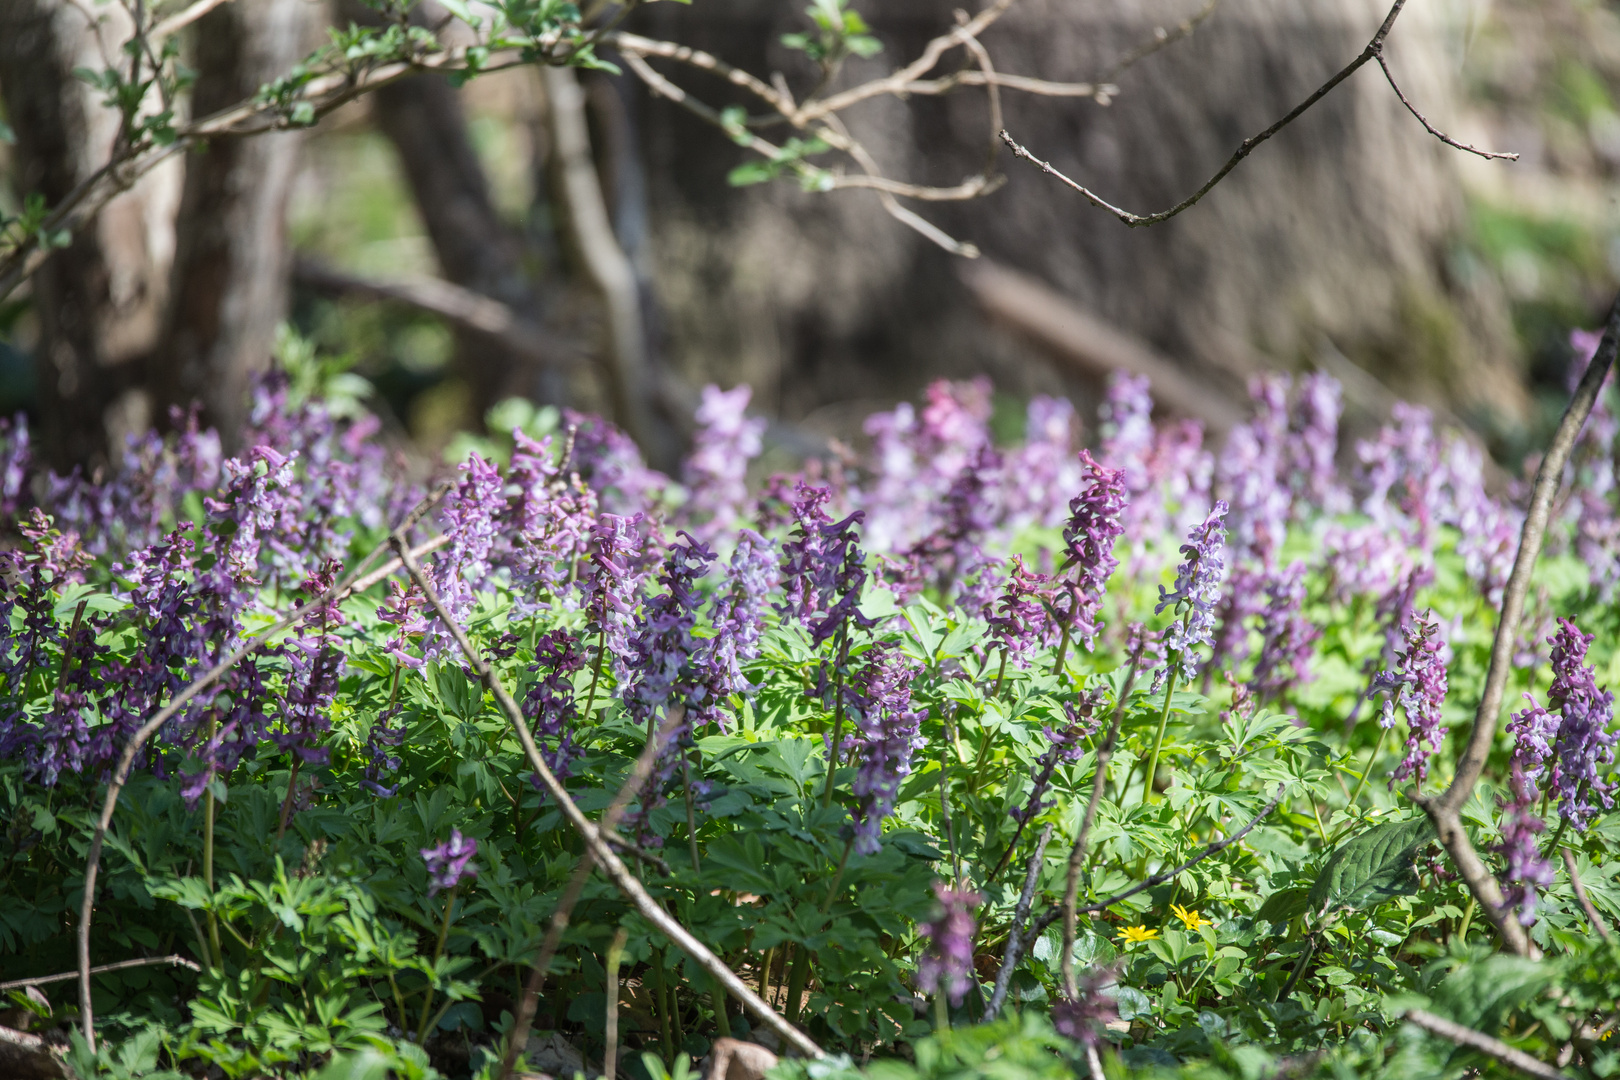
[[886, 735], [823, 568], [612, 586], [1289, 634], [1085, 1019], [550, 704], [1198, 589], [739, 610], [1021, 622], [1578, 746], [1527, 870], [717, 471], [1417, 685], [1095, 523], [449, 864], [947, 965]]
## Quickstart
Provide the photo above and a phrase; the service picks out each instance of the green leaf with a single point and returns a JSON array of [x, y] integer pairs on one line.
[[1372, 867]]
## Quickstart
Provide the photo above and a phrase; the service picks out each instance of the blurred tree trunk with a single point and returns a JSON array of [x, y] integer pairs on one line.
[[423, 118], [98, 301], [229, 286]]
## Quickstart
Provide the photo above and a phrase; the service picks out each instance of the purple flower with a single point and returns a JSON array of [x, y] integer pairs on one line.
[[1313, 447], [968, 512], [1417, 685], [1288, 635], [664, 649], [918, 456], [1021, 622], [1527, 870], [15, 456], [1063, 746], [468, 516], [609, 462], [716, 473], [878, 701], [386, 734], [1579, 748], [316, 663], [549, 704], [1198, 588], [1095, 523], [739, 609], [823, 569], [611, 586], [450, 863], [1044, 469], [1085, 1018], [548, 525], [946, 966]]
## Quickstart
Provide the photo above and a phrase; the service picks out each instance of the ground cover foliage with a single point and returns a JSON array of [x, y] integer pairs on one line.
[[873, 697]]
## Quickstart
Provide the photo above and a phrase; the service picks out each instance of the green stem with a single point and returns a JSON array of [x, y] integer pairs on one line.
[[765, 975], [838, 878], [838, 713], [691, 818], [614, 956], [1158, 740], [1317, 814], [286, 803], [438, 953], [1361, 785], [1468, 917], [216, 951], [596, 673], [942, 1015], [717, 997], [1563, 823], [797, 981], [661, 994], [1001, 674]]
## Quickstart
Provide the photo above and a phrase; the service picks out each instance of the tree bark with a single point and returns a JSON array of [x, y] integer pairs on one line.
[[232, 263], [99, 300]]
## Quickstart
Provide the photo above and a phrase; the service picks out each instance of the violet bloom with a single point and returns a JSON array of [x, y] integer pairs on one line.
[[386, 735], [1288, 635], [946, 966], [1527, 869], [403, 611], [1313, 447], [1095, 523], [15, 456], [664, 648], [1579, 748], [1063, 746], [716, 473], [968, 512], [1417, 686], [823, 569], [1044, 470], [468, 516], [1086, 1018], [1198, 589], [1021, 623], [611, 586], [549, 704], [316, 663], [739, 609], [878, 701], [450, 863], [610, 463], [547, 525]]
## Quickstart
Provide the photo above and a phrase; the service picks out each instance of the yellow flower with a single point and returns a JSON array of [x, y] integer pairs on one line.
[[1191, 919], [1137, 933]]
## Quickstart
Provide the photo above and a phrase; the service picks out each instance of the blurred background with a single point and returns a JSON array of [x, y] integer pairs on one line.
[[438, 240]]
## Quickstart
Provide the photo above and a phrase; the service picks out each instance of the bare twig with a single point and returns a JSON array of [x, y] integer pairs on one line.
[[1430, 128], [1162, 38], [518, 1036], [601, 851], [64, 976], [1477, 1040], [1212, 849], [1445, 810], [1574, 880], [451, 302], [182, 19], [1077, 854], [126, 760], [1015, 941], [1373, 49]]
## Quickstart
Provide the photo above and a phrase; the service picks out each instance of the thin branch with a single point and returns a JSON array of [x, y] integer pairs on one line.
[[518, 1036], [1213, 849], [64, 976], [1510, 1056], [1015, 941], [1161, 38], [1023, 83], [126, 760], [1574, 879], [1374, 47], [455, 304], [1445, 810], [601, 851], [182, 19], [1430, 128]]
